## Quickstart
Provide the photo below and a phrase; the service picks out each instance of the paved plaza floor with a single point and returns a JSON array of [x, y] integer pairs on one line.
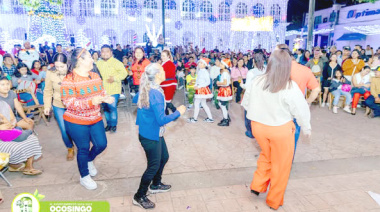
[[211, 167]]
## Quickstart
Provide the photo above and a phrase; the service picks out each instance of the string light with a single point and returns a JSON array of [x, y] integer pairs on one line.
[[203, 24], [365, 29]]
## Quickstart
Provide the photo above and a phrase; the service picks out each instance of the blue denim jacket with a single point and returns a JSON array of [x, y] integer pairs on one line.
[[151, 119]]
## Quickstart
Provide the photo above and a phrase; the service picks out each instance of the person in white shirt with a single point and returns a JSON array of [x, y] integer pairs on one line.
[[202, 91], [28, 55], [258, 70], [215, 69], [273, 100]]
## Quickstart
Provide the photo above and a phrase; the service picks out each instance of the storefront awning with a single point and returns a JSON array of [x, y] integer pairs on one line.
[[352, 36]]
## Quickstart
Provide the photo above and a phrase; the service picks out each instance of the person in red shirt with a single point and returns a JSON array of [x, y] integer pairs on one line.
[[170, 84], [189, 64], [138, 67]]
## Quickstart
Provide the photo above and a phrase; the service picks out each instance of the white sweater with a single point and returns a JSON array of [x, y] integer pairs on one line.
[[251, 75], [276, 109], [203, 78]]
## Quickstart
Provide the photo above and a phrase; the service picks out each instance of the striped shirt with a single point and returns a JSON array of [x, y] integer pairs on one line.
[[77, 93], [112, 68], [21, 151]]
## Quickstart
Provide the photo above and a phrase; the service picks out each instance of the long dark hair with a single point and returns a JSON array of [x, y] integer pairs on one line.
[[75, 58], [135, 59], [359, 54], [36, 61], [19, 66]]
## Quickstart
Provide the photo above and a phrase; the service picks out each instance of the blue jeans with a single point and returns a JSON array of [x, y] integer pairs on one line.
[[337, 93], [248, 126], [82, 135], [58, 114], [110, 111], [28, 98], [370, 102]]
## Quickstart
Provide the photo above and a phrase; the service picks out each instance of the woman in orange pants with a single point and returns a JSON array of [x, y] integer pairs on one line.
[[361, 85], [272, 101]]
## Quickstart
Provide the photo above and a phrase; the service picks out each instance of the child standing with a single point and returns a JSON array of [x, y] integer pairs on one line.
[[190, 82], [202, 91], [339, 86], [224, 93]]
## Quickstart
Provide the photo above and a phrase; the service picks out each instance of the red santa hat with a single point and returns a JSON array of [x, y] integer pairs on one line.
[[204, 60], [226, 62]]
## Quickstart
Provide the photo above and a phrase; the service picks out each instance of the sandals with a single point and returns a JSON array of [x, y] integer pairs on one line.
[[19, 169], [32, 172]]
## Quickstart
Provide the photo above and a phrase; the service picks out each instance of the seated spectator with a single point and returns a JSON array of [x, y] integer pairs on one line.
[[352, 65], [305, 58], [8, 129], [373, 101], [95, 56], [180, 75], [10, 98], [190, 82], [239, 75], [24, 79], [360, 87], [328, 74], [338, 87], [9, 64], [23, 155], [316, 64], [2, 74]]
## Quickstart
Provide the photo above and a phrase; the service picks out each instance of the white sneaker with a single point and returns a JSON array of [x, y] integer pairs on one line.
[[323, 104], [347, 109], [92, 169], [88, 183], [133, 94], [335, 109], [190, 106]]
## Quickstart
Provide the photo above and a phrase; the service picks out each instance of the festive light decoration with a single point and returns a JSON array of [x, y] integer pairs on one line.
[[366, 29], [47, 20], [7, 43], [153, 37], [34, 4], [82, 40], [44, 38], [204, 23], [105, 40], [252, 24]]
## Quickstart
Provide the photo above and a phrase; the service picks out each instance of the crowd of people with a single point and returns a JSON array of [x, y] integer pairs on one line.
[[77, 85]]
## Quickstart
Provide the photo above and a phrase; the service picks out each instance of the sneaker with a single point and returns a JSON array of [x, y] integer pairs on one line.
[[208, 120], [88, 183], [224, 123], [133, 94], [108, 128], [335, 109], [190, 106], [347, 109], [91, 169], [113, 129], [161, 188], [192, 120], [328, 105], [359, 106], [323, 104], [143, 202]]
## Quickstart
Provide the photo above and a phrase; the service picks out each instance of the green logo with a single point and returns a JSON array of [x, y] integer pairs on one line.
[[26, 202]]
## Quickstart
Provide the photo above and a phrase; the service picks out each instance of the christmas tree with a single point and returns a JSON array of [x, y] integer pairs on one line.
[[81, 38], [47, 19]]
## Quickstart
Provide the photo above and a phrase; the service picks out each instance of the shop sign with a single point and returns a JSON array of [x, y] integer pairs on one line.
[[367, 12]]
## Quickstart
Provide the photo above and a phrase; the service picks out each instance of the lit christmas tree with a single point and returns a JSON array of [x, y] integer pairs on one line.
[[81, 38], [46, 18]]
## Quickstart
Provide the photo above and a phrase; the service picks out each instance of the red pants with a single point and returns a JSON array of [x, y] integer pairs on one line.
[[356, 97], [275, 160]]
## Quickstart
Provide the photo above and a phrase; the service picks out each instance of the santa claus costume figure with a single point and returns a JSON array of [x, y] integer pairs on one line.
[[170, 84], [225, 92], [202, 91]]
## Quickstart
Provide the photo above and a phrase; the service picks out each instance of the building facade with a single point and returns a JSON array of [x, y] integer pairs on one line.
[[342, 26], [205, 23]]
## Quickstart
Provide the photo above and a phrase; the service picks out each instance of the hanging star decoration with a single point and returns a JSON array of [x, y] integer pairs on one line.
[[152, 35]]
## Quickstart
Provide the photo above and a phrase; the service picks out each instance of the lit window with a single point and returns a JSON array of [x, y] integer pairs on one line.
[[108, 7], [86, 7], [275, 11], [224, 11], [150, 4], [258, 10], [206, 9], [18, 8], [130, 4], [241, 10], [67, 8], [188, 9], [170, 5]]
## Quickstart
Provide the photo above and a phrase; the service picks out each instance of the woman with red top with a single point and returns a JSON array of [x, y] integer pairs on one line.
[[36, 67], [170, 84], [82, 94], [138, 67]]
